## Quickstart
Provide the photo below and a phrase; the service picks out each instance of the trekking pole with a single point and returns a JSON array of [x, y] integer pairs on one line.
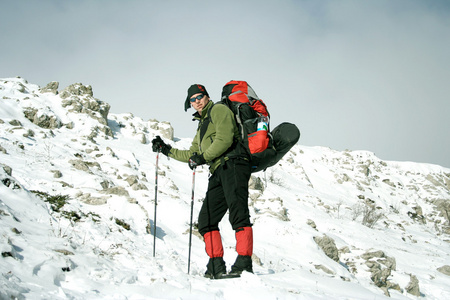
[[192, 212], [156, 202]]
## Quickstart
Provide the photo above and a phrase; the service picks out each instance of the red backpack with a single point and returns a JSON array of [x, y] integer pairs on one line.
[[251, 114], [264, 147]]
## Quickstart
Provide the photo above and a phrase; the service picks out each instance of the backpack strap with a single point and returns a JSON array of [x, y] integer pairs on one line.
[[237, 149], [204, 125]]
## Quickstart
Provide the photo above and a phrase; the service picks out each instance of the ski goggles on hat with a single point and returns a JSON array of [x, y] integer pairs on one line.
[[199, 97]]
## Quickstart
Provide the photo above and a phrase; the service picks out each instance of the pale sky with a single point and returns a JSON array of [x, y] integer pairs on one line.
[[357, 75]]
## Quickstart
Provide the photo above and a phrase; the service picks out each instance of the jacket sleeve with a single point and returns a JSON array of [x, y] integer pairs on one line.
[[223, 121], [184, 155]]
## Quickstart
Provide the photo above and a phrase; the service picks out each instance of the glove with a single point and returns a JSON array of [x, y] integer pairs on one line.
[[159, 145], [196, 160]]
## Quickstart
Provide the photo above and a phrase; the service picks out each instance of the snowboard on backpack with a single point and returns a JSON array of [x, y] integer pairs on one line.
[[264, 146]]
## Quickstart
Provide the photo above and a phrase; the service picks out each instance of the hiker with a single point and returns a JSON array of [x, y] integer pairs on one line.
[[216, 144]]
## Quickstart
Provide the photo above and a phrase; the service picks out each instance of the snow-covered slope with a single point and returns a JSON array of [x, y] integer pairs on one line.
[[77, 203]]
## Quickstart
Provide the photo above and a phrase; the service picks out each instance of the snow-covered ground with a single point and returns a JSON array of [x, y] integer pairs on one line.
[[383, 226]]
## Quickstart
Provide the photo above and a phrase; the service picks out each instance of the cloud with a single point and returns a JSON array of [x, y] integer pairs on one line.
[[351, 74]]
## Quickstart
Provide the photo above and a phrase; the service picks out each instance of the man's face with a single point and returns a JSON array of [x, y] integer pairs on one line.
[[199, 104]]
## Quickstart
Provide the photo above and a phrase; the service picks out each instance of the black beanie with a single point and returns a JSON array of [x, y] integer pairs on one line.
[[194, 89]]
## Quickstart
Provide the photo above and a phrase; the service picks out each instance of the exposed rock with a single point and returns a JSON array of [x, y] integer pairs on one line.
[[88, 199], [389, 262], [341, 178], [96, 109], [111, 152], [256, 259], [15, 123], [344, 250], [393, 286], [116, 190], [417, 215], [255, 183], [77, 89], [254, 197], [389, 182], [132, 200], [84, 165], [21, 88], [380, 274], [133, 179], [29, 113], [29, 133], [443, 206], [42, 120], [413, 286], [328, 246], [139, 187], [16, 231], [7, 169], [143, 139], [79, 165], [436, 180], [10, 183], [311, 223], [164, 128], [373, 254], [364, 169], [325, 269], [80, 98], [445, 270], [56, 174], [3, 150], [63, 251], [51, 87], [65, 184]]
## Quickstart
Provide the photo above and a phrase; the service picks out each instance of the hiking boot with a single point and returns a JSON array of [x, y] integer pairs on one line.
[[243, 263], [215, 268]]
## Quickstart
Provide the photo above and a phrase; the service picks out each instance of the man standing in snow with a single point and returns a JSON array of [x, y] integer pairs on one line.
[[216, 143]]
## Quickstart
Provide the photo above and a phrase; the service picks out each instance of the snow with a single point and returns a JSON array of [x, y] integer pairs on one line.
[[47, 255]]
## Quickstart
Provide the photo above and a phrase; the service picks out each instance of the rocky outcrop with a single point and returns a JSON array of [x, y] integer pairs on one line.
[[7, 169], [133, 181], [79, 98], [445, 270], [413, 286], [381, 267], [164, 127], [88, 199], [84, 165], [44, 120], [51, 87], [328, 246], [77, 90]]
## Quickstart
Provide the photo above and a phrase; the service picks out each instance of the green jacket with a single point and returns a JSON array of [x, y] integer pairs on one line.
[[220, 135]]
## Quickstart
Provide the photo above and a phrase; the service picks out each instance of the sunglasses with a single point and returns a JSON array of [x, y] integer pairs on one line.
[[199, 97]]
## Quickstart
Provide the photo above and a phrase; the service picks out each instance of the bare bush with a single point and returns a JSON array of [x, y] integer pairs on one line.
[[369, 213]]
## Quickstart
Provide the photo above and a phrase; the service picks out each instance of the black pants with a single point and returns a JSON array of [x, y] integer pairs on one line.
[[227, 190]]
